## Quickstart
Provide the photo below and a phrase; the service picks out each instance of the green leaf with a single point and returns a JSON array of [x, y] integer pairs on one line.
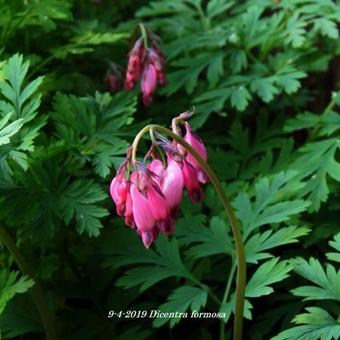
[[317, 162], [10, 285], [336, 245], [85, 42], [264, 88], [179, 301], [240, 97], [215, 70], [19, 108], [14, 90], [216, 7], [190, 70], [229, 308], [7, 131], [327, 281], [268, 273], [287, 79], [204, 241], [328, 123], [316, 324], [78, 202], [270, 239], [164, 262], [326, 27], [94, 128], [295, 31], [266, 209]]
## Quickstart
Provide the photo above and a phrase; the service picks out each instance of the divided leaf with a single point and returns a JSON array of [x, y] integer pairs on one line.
[[336, 245], [326, 281], [257, 244], [78, 201], [10, 285], [265, 209], [316, 324], [268, 273], [205, 241], [179, 301], [18, 108], [164, 262]]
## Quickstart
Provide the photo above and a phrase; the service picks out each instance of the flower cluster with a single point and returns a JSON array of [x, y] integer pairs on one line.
[[147, 62], [113, 78], [150, 196]]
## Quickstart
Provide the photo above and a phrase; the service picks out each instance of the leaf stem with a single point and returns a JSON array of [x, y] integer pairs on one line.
[[225, 296], [240, 254], [206, 288], [37, 291]]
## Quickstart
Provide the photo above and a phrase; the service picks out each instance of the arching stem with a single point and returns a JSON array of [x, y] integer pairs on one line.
[[240, 254]]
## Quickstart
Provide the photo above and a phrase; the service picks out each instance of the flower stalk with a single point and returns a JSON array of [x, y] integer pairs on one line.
[[240, 253]]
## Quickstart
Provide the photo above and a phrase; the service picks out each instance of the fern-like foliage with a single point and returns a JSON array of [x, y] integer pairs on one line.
[[239, 41], [93, 128], [18, 109], [10, 285], [317, 323], [317, 160]]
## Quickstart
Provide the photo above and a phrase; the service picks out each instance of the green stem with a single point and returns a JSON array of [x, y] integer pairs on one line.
[[37, 291], [240, 254], [41, 66], [225, 297], [144, 35], [327, 110], [329, 107]]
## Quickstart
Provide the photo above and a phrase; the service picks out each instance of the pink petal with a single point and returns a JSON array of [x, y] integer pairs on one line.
[[173, 182], [158, 204], [141, 210], [195, 141], [191, 183]]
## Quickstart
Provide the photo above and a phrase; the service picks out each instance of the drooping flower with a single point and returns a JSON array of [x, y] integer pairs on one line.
[[195, 141], [147, 62], [113, 78], [119, 190], [160, 209], [134, 65], [148, 83], [141, 209], [172, 185], [149, 198], [191, 182]]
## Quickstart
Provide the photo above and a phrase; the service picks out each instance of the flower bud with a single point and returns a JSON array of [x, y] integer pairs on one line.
[[195, 141], [149, 83]]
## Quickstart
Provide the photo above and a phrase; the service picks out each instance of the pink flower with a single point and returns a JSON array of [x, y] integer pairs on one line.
[[172, 184], [160, 209], [195, 141], [156, 167], [119, 190], [157, 59], [149, 83], [191, 182], [141, 210], [149, 199], [129, 219], [113, 82], [134, 65], [147, 62]]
